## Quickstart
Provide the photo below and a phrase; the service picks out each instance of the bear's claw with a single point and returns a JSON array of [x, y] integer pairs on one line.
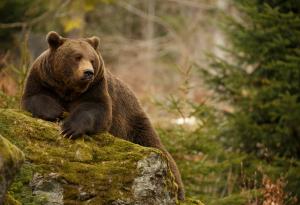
[[70, 131]]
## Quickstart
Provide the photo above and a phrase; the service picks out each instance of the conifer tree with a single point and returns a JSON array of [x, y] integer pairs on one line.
[[261, 76]]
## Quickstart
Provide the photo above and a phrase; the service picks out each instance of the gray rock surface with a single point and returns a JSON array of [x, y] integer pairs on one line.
[[150, 187], [47, 188]]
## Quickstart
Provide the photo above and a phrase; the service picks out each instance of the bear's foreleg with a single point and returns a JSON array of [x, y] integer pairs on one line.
[[40, 101], [87, 118], [43, 106]]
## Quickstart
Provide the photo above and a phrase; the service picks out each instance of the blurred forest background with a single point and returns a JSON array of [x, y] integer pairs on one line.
[[220, 80]]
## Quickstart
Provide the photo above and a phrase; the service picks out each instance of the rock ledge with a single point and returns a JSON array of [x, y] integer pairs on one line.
[[93, 170]]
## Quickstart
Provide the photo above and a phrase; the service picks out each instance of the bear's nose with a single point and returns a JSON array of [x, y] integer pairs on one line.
[[88, 73]]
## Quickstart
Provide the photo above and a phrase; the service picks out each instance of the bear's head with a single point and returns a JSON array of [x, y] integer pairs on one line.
[[74, 63]]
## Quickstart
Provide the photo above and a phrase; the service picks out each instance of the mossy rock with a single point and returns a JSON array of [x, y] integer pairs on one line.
[[98, 169], [11, 159]]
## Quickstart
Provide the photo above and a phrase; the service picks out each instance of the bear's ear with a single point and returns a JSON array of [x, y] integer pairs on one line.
[[94, 41], [54, 40]]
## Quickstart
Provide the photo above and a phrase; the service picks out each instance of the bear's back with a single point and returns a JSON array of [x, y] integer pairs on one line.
[[125, 107]]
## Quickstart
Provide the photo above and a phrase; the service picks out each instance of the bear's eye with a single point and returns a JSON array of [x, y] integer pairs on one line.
[[78, 57], [92, 62]]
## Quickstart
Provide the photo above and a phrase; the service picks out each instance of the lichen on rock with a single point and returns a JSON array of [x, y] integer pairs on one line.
[[48, 188], [151, 185], [94, 170]]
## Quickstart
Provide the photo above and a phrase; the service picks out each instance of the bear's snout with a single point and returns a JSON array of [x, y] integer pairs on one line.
[[88, 73], [85, 72]]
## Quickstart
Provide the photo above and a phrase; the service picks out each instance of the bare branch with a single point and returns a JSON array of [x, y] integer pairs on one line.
[[194, 4], [155, 19]]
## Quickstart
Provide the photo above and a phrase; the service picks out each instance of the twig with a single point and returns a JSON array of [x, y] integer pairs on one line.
[[155, 19], [193, 4]]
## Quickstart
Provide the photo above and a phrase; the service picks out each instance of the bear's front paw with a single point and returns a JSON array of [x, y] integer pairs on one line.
[[72, 130]]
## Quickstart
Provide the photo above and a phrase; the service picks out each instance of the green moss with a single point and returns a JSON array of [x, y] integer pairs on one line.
[[100, 164], [10, 154], [11, 160], [21, 190], [9, 200]]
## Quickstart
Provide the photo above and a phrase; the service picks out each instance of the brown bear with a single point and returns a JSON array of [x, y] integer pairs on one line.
[[71, 77]]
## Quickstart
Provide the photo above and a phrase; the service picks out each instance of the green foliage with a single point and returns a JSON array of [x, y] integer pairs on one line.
[[235, 199], [12, 11], [215, 172], [8, 101], [262, 77], [210, 171]]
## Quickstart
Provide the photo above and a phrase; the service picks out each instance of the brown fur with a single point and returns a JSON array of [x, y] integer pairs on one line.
[[56, 84]]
